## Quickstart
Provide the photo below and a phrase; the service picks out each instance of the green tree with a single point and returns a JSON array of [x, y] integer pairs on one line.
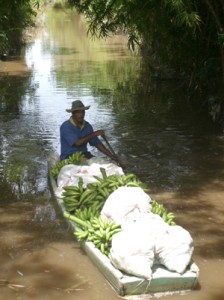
[[186, 35], [15, 16]]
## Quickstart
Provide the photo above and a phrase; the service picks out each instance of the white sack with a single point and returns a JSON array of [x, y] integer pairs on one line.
[[123, 201], [146, 238], [66, 174], [133, 249], [111, 168], [132, 253], [175, 250], [70, 174], [153, 226], [94, 169]]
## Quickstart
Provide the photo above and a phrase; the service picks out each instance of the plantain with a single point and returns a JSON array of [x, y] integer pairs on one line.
[[88, 200]]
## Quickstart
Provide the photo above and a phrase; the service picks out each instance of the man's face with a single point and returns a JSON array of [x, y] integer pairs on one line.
[[79, 116]]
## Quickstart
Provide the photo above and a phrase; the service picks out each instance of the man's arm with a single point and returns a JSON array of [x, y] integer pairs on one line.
[[105, 151], [88, 137]]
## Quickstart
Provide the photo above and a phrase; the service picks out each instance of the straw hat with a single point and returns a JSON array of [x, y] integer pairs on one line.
[[77, 105]]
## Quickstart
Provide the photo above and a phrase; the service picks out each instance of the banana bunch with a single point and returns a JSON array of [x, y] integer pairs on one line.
[[55, 171], [132, 180], [115, 181], [76, 158], [77, 197], [87, 213], [160, 210], [96, 229], [102, 233], [71, 196]]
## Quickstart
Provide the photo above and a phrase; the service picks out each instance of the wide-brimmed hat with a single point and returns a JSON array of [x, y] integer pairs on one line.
[[77, 105]]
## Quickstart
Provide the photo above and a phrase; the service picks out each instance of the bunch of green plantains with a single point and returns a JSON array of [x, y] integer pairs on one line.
[[91, 227], [160, 210]]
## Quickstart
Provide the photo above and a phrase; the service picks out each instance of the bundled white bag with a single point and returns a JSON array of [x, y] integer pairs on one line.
[[133, 248], [70, 174], [67, 175], [175, 250], [94, 169], [109, 167], [123, 201], [145, 239], [151, 224], [132, 253]]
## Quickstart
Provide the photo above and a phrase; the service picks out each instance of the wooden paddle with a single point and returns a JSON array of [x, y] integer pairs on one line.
[[112, 150]]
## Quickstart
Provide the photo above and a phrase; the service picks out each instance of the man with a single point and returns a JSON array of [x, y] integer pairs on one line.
[[76, 133]]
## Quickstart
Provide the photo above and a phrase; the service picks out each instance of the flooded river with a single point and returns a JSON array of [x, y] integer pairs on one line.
[[174, 149]]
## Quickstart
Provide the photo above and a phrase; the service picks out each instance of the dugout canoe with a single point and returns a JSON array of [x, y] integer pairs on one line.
[[163, 281]]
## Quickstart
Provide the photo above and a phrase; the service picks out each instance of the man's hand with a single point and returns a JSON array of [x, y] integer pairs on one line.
[[118, 160], [99, 132]]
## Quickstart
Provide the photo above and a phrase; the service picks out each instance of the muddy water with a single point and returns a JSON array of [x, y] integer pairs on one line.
[[159, 136]]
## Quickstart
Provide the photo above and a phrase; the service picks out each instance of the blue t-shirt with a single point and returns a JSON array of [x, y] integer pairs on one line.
[[70, 134]]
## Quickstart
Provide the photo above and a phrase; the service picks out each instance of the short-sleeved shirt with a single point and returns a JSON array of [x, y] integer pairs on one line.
[[70, 134]]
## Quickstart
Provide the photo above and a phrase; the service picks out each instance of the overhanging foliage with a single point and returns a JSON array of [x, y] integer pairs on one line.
[[15, 16], [184, 35]]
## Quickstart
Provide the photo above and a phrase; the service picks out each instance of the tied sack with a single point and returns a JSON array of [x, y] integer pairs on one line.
[[123, 201], [175, 250], [133, 249], [132, 253], [69, 174]]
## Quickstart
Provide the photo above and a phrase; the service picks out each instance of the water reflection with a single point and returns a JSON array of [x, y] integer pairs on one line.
[[12, 94], [151, 124]]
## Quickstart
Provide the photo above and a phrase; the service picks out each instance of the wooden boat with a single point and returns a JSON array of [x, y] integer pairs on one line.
[[163, 281]]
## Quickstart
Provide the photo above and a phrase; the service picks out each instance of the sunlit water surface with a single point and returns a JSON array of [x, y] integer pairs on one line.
[[153, 128]]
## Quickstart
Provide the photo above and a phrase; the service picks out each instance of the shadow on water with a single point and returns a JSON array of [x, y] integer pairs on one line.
[[205, 223], [172, 138], [178, 150], [33, 235]]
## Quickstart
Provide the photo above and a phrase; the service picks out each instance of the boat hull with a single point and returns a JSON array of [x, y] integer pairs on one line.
[[163, 281]]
